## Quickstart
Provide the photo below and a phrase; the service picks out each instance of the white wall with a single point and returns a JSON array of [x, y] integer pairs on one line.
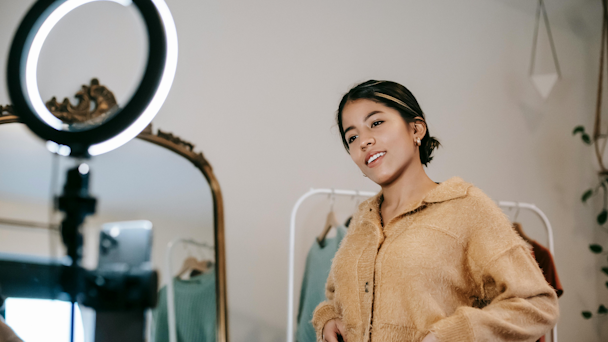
[[258, 84]]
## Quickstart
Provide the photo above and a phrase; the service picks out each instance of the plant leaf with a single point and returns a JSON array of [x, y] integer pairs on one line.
[[587, 314], [586, 195], [597, 249], [605, 270], [601, 218], [602, 310], [578, 129], [586, 138]]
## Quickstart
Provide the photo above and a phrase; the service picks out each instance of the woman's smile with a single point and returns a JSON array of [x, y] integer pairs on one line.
[[374, 158]]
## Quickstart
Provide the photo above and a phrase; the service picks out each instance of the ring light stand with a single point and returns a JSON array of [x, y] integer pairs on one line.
[[119, 297]]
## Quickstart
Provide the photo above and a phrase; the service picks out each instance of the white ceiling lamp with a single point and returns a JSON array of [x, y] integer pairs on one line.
[[544, 82]]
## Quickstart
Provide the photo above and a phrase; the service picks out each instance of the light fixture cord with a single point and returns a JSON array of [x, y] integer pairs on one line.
[[541, 9]]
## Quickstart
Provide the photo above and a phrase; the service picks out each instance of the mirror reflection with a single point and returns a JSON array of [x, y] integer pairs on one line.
[[138, 183]]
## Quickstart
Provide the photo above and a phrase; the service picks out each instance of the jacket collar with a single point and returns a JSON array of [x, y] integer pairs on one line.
[[451, 189]]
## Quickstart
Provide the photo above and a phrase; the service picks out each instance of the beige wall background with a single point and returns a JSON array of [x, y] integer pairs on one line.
[[258, 84]]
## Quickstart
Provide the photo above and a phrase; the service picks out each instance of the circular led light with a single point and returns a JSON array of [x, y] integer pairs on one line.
[[129, 120]]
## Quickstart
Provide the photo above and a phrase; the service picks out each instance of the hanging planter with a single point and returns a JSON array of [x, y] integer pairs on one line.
[[543, 82], [599, 141]]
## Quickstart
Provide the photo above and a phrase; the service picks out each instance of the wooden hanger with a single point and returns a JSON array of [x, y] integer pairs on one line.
[[330, 221], [193, 264], [347, 222], [358, 201], [518, 228]]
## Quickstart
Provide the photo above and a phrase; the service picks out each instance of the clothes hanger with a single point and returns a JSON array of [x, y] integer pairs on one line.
[[330, 221], [193, 264], [357, 197], [518, 228], [203, 257]]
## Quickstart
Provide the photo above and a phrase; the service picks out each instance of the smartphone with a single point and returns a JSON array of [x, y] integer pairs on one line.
[[125, 244]]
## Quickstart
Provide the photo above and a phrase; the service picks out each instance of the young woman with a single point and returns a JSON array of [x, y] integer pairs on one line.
[[424, 261]]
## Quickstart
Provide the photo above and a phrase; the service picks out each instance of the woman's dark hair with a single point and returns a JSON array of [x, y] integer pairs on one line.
[[393, 95]]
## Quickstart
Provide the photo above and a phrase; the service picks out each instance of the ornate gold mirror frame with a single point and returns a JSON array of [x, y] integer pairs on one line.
[[103, 102]]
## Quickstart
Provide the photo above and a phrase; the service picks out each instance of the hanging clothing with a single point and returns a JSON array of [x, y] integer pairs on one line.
[[195, 310], [450, 264], [318, 264], [545, 262]]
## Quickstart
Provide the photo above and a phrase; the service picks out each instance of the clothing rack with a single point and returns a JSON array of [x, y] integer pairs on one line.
[[538, 212], [292, 243], [169, 279], [28, 224], [543, 217]]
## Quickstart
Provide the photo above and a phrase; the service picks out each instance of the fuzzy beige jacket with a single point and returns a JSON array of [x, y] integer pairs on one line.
[[451, 265]]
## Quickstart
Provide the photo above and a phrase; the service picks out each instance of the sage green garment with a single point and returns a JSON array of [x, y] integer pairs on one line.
[[318, 264], [195, 310]]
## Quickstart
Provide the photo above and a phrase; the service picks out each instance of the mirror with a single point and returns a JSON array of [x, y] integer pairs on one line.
[[157, 177]]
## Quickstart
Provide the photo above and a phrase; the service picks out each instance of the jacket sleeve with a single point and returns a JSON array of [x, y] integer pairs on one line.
[[325, 311], [517, 303]]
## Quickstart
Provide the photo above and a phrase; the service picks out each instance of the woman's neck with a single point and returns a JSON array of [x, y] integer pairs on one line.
[[409, 188]]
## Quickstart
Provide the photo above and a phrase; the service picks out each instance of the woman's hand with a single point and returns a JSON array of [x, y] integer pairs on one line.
[[332, 329], [429, 338]]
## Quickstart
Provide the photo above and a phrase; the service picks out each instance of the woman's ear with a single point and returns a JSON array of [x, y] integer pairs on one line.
[[419, 127]]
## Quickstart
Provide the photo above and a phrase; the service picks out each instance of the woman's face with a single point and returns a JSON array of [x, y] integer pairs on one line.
[[381, 143]]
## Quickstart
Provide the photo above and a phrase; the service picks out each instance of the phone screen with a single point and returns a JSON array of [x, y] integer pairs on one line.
[[125, 243]]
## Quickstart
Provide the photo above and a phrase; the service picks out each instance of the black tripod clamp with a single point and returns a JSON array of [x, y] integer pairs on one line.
[[77, 204]]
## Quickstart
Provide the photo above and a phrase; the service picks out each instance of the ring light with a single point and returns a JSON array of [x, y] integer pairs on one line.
[[129, 120]]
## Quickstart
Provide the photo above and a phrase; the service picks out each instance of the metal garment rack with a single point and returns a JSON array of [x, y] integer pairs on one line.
[[169, 279], [543, 217], [292, 244], [351, 193]]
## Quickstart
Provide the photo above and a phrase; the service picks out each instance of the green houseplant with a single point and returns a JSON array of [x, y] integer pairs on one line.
[[598, 140]]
